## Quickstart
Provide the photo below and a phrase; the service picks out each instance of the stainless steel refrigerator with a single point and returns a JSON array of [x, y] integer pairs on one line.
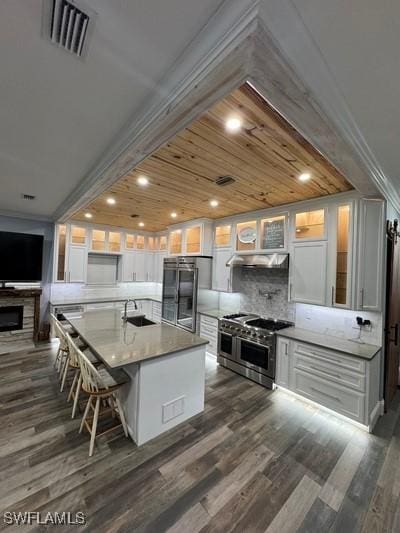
[[182, 278]]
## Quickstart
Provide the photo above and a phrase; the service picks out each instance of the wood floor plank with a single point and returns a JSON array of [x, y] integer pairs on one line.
[[334, 490], [296, 507], [255, 460]]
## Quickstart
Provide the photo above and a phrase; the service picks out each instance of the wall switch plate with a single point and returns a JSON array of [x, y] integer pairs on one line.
[[173, 409]]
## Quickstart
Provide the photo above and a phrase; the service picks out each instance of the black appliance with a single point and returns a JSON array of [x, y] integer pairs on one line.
[[21, 257], [247, 345]]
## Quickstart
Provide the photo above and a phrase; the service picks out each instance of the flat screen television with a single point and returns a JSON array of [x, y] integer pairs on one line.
[[21, 257]]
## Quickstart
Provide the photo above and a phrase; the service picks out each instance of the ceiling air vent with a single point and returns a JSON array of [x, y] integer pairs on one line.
[[69, 25], [27, 197], [134, 216], [225, 180]]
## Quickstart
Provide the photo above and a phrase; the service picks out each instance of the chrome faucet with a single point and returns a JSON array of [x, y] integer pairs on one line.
[[125, 317]]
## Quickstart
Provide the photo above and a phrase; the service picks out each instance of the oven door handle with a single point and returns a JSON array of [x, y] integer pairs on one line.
[[255, 343]]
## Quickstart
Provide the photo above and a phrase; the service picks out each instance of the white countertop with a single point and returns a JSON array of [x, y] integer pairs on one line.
[[349, 347], [118, 343]]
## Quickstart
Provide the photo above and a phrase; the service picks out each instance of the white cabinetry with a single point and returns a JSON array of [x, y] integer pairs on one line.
[[370, 255], [222, 275], [282, 362], [128, 266], [209, 331], [308, 272], [77, 264], [194, 238], [343, 383]]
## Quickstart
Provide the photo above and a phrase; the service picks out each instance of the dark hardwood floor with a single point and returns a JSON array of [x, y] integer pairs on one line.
[[254, 461]]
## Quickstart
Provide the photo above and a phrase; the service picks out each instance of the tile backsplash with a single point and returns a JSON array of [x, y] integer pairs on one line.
[[67, 291], [265, 292], [339, 322]]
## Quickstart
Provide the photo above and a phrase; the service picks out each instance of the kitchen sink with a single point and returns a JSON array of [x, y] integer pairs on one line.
[[139, 321]]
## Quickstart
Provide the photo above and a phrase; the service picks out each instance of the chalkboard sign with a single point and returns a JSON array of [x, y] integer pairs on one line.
[[273, 234]]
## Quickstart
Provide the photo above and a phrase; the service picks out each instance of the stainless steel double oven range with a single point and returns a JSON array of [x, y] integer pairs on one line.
[[247, 345]]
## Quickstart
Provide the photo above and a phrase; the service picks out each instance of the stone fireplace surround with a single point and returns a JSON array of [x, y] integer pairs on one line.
[[21, 338]]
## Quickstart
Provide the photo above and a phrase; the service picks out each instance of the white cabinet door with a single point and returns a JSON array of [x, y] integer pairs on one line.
[[308, 273], [370, 255], [221, 273], [149, 263], [159, 266], [282, 362], [128, 266], [77, 263], [140, 266]]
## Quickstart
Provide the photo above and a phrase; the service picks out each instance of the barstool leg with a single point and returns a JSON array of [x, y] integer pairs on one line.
[[77, 392], [71, 392], [94, 426], [85, 413], [65, 372], [57, 359]]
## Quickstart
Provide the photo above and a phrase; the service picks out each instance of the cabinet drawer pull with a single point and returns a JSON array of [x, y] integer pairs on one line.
[[326, 372], [326, 394]]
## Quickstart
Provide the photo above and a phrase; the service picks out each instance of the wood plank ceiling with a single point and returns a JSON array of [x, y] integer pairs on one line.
[[265, 157]]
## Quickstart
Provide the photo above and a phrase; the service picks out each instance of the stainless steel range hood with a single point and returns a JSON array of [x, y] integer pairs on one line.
[[259, 261]]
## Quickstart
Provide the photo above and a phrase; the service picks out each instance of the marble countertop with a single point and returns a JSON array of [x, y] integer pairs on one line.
[[349, 347], [118, 343], [105, 299]]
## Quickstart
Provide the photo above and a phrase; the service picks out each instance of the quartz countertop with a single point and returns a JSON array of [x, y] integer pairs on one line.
[[105, 299], [214, 312], [119, 343], [349, 347]]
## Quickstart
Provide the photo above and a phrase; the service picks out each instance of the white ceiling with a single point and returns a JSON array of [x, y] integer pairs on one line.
[[58, 114]]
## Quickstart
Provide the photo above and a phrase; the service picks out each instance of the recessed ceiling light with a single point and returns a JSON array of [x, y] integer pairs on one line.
[[305, 176], [214, 203], [111, 201], [233, 124], [174, 215], [143, 181], [141, 224], [88, 215]]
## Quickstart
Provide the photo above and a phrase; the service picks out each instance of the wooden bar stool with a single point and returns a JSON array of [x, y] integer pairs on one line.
[[74, 366], [102, 388]]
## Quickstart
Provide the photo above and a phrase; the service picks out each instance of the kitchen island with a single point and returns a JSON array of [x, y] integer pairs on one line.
[[165, 366]]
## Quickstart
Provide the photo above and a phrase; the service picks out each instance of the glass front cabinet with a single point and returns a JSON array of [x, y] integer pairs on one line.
[[341, 256]]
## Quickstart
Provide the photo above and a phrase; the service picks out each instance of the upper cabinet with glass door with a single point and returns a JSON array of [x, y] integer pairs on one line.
[[175, 242], [191, 238], [103, 241], [310, 225], [223, 236], [273, 233], [78, 235], [341, 289], [61, 253], [246, 236]]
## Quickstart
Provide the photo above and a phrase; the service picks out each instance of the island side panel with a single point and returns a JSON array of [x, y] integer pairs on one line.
[[129, 396], [171, 390]]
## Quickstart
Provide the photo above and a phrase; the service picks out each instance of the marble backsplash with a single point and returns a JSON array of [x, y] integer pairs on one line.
[[265, 292]]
